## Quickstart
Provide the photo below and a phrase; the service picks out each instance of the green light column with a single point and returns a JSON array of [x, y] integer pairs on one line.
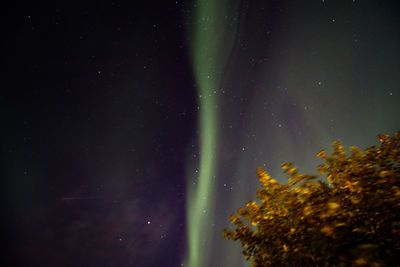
[[211, 36]]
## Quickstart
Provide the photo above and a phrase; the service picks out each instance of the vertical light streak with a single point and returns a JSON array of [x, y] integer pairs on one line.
[[211, 38]]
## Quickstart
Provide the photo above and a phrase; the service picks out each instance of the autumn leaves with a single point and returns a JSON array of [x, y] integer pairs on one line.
[[352, 219]]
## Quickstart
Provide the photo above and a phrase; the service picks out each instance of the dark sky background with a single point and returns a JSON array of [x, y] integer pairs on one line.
[[100, 112]]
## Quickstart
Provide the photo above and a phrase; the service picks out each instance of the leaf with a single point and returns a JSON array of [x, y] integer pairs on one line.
[[322, 154]]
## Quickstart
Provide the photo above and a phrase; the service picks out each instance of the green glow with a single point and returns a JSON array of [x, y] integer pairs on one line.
[[211, 38], [292, 115]]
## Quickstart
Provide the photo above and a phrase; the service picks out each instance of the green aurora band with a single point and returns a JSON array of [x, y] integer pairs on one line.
[[211, 38], [318, 85]]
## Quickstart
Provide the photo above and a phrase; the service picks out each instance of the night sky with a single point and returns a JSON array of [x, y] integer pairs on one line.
[[132, 130]]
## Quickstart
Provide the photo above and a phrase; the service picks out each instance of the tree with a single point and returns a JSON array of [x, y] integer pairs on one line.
[[352, 219]]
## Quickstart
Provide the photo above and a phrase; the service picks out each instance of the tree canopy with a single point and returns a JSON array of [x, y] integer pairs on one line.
[[350, 218]]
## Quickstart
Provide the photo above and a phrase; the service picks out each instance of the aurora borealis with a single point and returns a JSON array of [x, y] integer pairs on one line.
[[131, 131], [211, 45]]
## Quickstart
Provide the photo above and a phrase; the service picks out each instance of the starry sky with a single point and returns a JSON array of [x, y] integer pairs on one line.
[[132, 130]]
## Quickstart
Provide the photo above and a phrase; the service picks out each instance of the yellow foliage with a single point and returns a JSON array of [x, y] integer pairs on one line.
[[333, 205], [286, 165], [292, 171], [322, 154], [307, 211], [310, 222], [360, 261], [383, 174], [327, 230]]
